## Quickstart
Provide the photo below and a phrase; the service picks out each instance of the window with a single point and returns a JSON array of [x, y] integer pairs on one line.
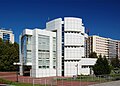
[[43, 42], [54, 67]]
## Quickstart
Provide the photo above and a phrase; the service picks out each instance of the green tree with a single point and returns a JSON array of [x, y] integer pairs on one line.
[[1, 41], [93, 55], [102, 66], [9, 54], [107, 67], [115, 62]]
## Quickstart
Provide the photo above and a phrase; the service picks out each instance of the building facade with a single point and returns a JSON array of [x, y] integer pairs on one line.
[[70, 35], [7, 35], [119, 49], [38, 51], [61, 46], [101, 45]]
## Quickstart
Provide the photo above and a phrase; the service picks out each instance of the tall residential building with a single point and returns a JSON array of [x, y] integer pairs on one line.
[[101, 45], [118, 50], [58, 50], [7, 35], [112, 48]]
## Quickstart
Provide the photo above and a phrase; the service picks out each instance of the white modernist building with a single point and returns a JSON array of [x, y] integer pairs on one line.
[[58, 50], [38, 52], [7, 35]]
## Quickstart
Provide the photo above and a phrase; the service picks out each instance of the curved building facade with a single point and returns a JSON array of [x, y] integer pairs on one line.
[[70, 35], [57, 50]]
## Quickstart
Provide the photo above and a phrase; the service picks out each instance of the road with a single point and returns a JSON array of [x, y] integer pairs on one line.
[[112, 83]]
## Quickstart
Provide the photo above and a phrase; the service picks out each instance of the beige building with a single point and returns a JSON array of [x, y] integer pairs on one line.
[[118, 49], [104, 46]]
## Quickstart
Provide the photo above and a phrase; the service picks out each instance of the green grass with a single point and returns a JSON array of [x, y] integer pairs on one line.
[[86, 79], [17, 83]]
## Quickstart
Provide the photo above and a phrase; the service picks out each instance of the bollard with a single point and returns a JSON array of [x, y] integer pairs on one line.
[[33, 82], [62, 83]]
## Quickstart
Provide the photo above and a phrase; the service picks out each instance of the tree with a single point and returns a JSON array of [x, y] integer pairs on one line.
[[9, 54], [102, 66], [107, 67], [115, 62], [93, 55], [1, 41]]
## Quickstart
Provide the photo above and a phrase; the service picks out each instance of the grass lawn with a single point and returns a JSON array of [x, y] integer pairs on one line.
[[86, 79]]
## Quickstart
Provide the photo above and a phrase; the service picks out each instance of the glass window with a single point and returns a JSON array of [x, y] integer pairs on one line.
[[43, 42]]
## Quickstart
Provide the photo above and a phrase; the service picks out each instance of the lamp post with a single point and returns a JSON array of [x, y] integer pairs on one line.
[[77, 69], [17, 66]]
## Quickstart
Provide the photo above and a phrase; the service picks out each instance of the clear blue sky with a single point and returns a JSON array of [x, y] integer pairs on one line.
[[99, 16]]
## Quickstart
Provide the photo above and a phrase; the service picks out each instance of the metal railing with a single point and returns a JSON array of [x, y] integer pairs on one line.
[[80, 80]]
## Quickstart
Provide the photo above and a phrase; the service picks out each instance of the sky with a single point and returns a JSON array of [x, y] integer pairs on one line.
[[101, 17]]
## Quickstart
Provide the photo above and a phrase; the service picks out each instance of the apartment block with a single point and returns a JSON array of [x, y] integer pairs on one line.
[[7, 35], [101, 45]]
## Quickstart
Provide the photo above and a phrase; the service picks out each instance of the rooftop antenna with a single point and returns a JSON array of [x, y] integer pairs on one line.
[[48, 18], [87, 31]]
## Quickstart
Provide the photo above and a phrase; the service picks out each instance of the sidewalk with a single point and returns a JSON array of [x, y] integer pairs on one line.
[[112, 83]]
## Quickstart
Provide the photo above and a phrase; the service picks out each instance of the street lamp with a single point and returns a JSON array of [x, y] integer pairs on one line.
[[17, 66], [77, 68]]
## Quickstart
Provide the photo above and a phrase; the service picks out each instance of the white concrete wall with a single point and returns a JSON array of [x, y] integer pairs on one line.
[[73, 24], [74, 39], [71, 68], [86, 62], [56, 25], [84, 71], [72, 55], [34, 53], [74, 36], [38, 72], [20, 57]]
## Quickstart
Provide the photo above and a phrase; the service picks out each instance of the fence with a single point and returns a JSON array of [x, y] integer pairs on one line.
[[62, 81], [37, 81], [71, 81]]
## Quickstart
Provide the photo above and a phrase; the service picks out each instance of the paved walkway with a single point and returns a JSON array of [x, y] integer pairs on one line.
[[112, 83]]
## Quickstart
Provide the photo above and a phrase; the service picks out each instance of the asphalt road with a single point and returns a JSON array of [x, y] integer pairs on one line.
[[113, 83]]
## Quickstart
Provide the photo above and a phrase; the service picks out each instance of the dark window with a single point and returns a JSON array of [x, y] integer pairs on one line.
[[54, 67], [40, 67]]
